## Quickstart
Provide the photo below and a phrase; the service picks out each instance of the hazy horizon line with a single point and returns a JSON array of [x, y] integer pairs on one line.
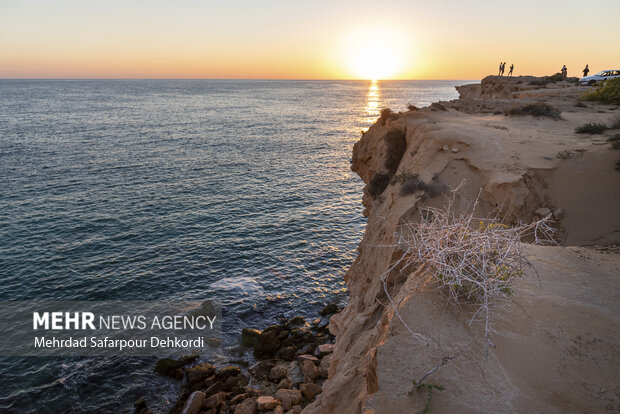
[[251, 79]]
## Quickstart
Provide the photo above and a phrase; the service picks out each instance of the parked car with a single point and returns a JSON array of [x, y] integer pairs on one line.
[[600, 77]]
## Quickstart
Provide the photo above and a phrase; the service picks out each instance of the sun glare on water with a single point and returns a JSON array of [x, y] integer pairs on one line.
[[374, 54]]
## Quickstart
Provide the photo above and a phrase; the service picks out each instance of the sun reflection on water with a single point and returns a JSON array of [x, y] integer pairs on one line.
[[373, 100]]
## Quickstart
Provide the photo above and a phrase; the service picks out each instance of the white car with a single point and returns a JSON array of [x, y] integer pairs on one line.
[[600, 77]]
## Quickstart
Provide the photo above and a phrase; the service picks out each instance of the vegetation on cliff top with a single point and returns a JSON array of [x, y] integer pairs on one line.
[[539, 109], [606, 92], [472, 260], [591, 128]]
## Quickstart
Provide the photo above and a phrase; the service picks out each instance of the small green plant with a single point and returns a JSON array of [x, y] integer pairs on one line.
[[564, 155], [606, 92], [538, 109], [429, 392], [615, 145], [378, 183], [555, 78], [591, 128], [614, 137]]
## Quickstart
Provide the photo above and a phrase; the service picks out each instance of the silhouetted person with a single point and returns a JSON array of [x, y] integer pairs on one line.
[[512, 67], [499, 73], [586, 71], [564, 72]]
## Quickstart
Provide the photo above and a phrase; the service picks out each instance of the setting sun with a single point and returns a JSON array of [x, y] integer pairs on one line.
[[375, 53]]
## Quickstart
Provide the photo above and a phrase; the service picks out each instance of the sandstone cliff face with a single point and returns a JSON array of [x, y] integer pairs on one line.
[[557, 340]]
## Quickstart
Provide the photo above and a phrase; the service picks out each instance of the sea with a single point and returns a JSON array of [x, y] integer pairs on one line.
[[238, 191]]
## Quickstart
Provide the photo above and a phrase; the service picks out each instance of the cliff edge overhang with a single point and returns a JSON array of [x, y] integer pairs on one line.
[[555, 347]]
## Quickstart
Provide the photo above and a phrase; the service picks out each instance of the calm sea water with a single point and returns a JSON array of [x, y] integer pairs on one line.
[[183, 189]]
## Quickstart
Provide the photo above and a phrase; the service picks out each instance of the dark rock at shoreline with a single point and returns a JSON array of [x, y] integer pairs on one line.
[[297, 321], [267, 343], [286, 369], [249, 336], [329, 309], [261, 370], [286, 353], [173, 367], [199, 373], [140, 407], [228, 371]]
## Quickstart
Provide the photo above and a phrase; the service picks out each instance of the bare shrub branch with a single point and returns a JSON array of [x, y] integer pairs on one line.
[[473, 260]]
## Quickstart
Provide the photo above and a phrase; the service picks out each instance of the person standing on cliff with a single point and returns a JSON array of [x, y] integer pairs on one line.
[[586, 70], [501, 66], [564, 72], [512, 67]]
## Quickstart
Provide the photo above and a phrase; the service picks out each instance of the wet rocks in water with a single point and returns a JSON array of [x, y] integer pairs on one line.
[[140, 407], [297, 321], [235, 383], [249, 336], [267, 343], [173, 367], [329, 309], [294, 358], [199, 373], [228, 371], [286, 353]]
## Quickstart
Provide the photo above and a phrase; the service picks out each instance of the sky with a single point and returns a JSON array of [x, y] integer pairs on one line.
[[320, 39]]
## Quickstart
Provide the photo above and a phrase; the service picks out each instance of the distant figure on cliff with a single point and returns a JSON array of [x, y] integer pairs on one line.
[[512, 67], [501, 66], [586, 71], [564, 72]]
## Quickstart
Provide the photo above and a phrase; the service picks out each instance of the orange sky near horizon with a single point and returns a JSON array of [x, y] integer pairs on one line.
[[278, 40]]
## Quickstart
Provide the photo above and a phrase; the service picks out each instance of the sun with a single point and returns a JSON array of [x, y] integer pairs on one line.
[[375, 53]]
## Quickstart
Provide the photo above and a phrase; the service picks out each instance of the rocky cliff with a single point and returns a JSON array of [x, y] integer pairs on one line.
[[556, 341]]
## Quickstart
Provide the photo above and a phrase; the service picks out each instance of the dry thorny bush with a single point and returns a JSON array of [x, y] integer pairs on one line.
[[473, 260]]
